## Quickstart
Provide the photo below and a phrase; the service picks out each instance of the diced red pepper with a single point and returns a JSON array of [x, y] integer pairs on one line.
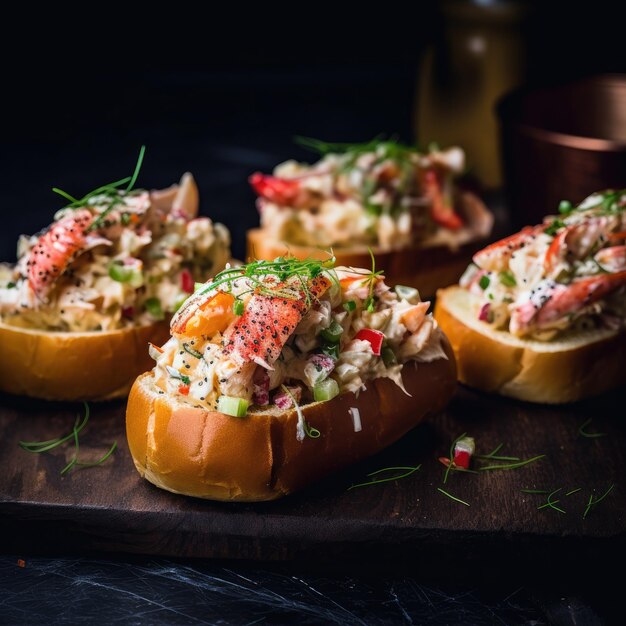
[[279, 190], [441, 209], [483, 314], [375, 338], [187, 282], [463, 451], [183, 389]]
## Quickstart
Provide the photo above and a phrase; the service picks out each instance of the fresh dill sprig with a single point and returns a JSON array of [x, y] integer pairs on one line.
[[509, 466], [406, 471], [552, 503], [536, 491], [572, 491], [493, 455], [38, 447], [112, 192], [449, 495], [281, 269], [390, 146], [583, 433], [591, 503], [370, 281]]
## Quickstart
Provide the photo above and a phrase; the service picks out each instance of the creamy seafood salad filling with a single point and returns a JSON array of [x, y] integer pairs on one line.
[[118, 257], [566, 274], [379, 193], [290, 332]]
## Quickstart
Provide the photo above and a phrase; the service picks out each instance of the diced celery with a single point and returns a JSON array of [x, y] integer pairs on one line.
[[326, 390], [333, 333], [230, 405]]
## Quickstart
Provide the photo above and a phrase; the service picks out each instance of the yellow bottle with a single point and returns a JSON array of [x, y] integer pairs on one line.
[[479, 59]]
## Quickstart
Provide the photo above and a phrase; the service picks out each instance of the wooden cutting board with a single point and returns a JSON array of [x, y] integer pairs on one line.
[[407, 522]]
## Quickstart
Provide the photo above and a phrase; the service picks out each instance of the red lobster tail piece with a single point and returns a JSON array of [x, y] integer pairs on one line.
[[56, 249], [269, 320]]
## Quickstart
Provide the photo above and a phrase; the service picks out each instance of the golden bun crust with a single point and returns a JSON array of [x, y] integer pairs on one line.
[[75, 366], [553, 372], [424, 267], [207, 454]]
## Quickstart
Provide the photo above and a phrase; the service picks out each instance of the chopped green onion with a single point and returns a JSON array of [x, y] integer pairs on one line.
[[238, 307], [554, 227], [333, 333], [331, 349], [369, 304], [230, 405], [125, 219], [484, 281], [388, 356], [507, 278], [120, 272], [191, 351], [154, 308], [11, 285], [565, 206], [350, 305], [326, 390], [410, 294]]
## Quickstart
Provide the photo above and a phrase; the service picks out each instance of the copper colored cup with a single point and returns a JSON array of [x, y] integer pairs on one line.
[[562, 143]]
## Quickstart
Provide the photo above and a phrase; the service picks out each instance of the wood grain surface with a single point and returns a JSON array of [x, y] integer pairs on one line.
[[404, 523]]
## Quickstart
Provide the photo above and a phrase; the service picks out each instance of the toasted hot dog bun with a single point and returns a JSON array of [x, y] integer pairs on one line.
[[574, 367], [75, 366], [207, 454], [423, 266]]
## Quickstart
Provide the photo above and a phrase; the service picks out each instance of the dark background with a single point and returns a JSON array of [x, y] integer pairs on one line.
[[222, 93]]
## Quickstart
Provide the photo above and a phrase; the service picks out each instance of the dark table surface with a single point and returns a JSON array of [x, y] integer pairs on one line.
[[71, 590]]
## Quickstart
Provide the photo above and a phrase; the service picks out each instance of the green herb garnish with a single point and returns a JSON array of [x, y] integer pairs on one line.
[[191, 351], [284, 268], [450, 457], [509, 466], [38, 447], [11, 285], [449, 495], [583, 433], [238, 307], [593, 502], [554, 226], [114, 196], [406, 471], [350, 305], [484, 281], [552, 503]]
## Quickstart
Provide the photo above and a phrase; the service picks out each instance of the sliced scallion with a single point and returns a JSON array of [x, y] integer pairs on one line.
[[333, 333]]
